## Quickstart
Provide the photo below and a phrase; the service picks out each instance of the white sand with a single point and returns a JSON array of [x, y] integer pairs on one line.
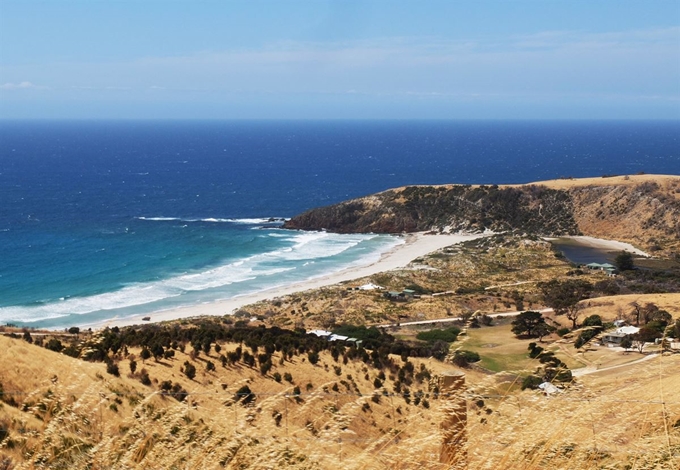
[[414, 246], [610, 245]]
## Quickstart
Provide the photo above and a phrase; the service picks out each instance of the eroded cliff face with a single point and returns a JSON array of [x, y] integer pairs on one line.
[[645, 213], [417, 208]]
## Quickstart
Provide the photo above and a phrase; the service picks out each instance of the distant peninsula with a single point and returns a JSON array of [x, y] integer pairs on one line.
[[643, 210]]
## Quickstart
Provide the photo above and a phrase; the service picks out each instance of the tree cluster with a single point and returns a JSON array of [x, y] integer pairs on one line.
[[531, 324], [564, 297]]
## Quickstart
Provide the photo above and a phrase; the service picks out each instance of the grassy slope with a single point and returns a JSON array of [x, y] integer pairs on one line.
[[69, 420], [600, 422]]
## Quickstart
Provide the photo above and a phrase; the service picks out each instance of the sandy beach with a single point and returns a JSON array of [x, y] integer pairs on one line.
[[414, 246]]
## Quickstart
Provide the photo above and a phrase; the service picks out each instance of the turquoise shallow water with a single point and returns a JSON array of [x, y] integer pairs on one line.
[[103, 219], [235, 258]]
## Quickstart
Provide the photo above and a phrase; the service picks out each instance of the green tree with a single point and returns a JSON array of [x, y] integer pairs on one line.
[[449, 335], [542, 330], [626, 342], [313, 357], [564, 297], [244, 395], [645, 335], [112, 368], [265, 367], [189, 370], [440, 349], [652, 313], [527, 323], [133, 366], [27, 336], [624, 261], [157, 350], [54, 345], [585, 336], [145, 354], [144, 377], [593, 320]]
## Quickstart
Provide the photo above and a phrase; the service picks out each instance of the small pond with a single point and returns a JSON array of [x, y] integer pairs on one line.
[[579, 253]]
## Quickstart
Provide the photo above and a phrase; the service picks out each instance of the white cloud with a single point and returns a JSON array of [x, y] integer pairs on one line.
[[21, 86]]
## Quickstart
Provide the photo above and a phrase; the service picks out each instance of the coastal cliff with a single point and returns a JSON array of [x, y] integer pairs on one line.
[[643, 209], [467, 208]]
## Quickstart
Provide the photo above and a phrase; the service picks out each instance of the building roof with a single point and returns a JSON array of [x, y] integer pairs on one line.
[[321, 333], [628, 330], [338, 338], [370, 286]]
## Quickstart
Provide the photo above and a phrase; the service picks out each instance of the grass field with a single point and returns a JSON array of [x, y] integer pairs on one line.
[[498, 348]]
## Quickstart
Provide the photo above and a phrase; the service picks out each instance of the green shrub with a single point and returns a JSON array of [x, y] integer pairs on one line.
[[448, 335], [189, 370], [463, 358], [562, 331], [585, 336], [112, 368], [593, 320], [244, 395], [531, 382]]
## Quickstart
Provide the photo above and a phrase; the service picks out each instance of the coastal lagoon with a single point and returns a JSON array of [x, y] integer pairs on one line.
[[122, 218], [582, 253]]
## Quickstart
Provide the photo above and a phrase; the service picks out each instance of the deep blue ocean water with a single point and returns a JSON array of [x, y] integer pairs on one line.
[[102, 219]]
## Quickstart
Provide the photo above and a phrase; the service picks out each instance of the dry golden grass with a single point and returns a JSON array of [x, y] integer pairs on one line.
[[73, 420], [69, 420], [568, 183], [604, 422], [623, 180], [620, 306]]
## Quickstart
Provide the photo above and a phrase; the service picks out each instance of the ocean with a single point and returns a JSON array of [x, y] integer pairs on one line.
[[103, 219]]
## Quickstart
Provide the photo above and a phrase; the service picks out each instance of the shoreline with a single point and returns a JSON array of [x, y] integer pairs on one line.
[[415, 245]]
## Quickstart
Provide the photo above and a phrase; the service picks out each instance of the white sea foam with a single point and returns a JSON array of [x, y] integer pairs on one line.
[[158, 218], [251, 221], [126, 297]]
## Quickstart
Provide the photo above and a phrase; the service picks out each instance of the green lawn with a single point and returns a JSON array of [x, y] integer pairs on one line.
[[499, 348]]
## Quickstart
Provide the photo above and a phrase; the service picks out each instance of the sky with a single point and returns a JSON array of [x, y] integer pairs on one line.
[[344, 59]]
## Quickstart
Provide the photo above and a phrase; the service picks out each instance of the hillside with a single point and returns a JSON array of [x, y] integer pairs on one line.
[[59, 412], [641, 209]]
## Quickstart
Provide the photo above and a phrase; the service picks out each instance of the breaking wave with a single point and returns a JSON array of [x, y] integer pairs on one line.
[[293, 257]]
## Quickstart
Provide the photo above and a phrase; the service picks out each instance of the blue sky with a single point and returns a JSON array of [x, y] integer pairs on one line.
[[465, 59]]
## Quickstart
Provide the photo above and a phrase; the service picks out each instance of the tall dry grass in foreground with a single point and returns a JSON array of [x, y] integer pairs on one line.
[[71, 414]]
